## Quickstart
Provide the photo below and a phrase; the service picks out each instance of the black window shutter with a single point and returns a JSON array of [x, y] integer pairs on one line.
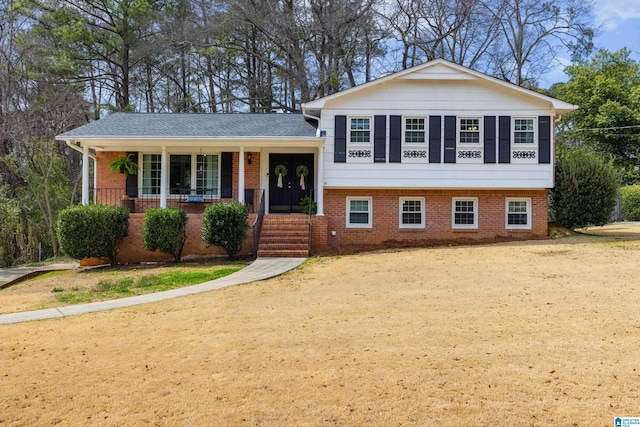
[[340, 140], [449, 139], [435, 139], [544, 139], [132, 180], [489, 139], [226, 176], [504, 139], [395, 139], [380, 139]]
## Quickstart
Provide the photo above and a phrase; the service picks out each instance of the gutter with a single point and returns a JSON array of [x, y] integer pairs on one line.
[[78, 147], [317, 119]]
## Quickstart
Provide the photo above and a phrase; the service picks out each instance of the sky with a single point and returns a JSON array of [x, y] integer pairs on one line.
[[619, 21]]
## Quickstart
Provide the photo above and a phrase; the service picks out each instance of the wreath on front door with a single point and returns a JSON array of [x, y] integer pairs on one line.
[[281, 170], [302, 171]]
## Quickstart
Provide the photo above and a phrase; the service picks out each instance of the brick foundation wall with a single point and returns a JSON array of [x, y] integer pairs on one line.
[[386, 232], [131, 248]]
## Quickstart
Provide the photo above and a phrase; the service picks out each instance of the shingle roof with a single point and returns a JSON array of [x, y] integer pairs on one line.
[[180, 125]]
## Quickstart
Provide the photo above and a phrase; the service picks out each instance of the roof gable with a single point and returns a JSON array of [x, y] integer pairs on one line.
[[443, 70]]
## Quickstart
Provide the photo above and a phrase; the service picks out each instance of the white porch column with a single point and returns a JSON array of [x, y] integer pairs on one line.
[[241, 176], [85, 174], [320, 184], [163, 178]]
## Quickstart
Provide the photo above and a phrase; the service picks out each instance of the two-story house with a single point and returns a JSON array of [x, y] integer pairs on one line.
[[433, 154]]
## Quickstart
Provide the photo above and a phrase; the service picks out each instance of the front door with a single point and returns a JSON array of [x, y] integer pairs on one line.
[[291, 178]]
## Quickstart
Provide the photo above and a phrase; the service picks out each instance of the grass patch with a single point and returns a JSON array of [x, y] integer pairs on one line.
[[113, 285]]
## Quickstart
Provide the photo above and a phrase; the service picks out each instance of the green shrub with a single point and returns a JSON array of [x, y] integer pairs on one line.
[[165, 230], [586, 188], [308, 206], [630, 202], [92, 231], [225, 225]]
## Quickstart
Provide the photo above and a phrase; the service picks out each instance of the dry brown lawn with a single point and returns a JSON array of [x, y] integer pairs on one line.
[[519, 334]]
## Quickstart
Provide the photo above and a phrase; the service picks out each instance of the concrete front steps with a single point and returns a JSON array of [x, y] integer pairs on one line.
[[285, 236]]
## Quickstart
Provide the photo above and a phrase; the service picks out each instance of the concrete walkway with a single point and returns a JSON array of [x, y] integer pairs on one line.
[[260, 269]]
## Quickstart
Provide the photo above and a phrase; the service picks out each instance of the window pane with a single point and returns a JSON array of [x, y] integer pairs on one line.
[[359, 218], [412, 212], [151, 165], [464, 212], [414, 131], [207, 175], [523, 131], [359, 206], [179, 174], [469, 131], [517, 219], [517, 213], [360, 130], [359, 211]]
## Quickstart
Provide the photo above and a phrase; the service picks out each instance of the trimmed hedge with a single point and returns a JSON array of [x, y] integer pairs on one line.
[[165, 230], [92, 231], [225, 225], [630, 202], [586, 188]]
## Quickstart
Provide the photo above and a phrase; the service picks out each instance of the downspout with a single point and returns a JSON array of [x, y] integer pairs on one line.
[[319, 177], [317, 119]]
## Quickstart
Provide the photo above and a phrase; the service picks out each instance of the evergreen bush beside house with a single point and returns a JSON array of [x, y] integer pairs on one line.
[[165, 230], [630, 202], [586, 188], [225, 225], [92, 231]]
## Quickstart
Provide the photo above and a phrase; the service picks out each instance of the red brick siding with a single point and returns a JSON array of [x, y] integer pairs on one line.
[[131, 248], [115, 182], [386, 231]]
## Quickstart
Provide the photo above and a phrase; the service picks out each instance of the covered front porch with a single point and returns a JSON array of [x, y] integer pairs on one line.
[[191, 160], [279, 177]]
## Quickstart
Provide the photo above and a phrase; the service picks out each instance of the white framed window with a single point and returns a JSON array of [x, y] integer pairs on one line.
[[411, 212], [181, 177], [464, 212], [415, 130], [469, 130], [208, 175], [360, 130], [359, 212], [524, 131], [518, 213], [151, 166]]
